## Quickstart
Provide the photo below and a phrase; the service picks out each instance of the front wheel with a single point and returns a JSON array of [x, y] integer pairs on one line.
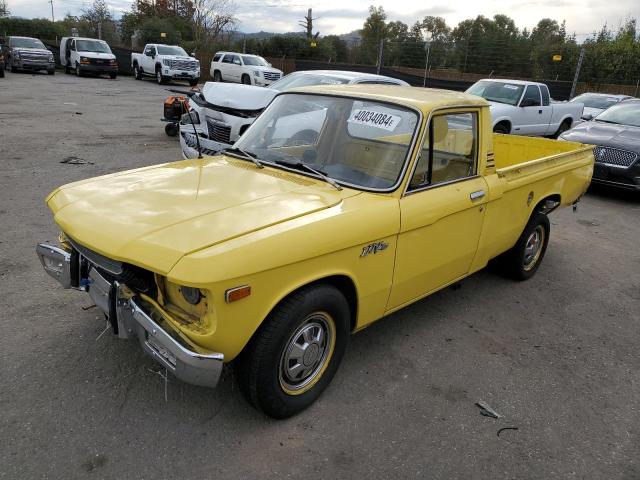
[[501, 128], [296, 352], [113, 75], [160, 79], [246, 79], [51, 72], [193, 82], [524, 259], [561, 129], [78, 70]]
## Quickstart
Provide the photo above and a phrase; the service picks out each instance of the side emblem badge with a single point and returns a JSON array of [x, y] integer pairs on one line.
[[373, 248]]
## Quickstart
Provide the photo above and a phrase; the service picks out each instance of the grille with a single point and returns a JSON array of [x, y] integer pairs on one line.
[[190, 140], [185, 65], [613, 156], [271, 76], [219, 132], [38, 57]]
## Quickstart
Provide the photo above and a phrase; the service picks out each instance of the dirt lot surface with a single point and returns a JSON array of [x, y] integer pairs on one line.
[[557, 356]]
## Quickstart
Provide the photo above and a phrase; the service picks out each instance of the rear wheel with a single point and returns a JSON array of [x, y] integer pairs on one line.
[[246, 79], [296, 351], [524, 259], [1, 72], [136, 72], [564, 126], [501, 128], [217, 76]]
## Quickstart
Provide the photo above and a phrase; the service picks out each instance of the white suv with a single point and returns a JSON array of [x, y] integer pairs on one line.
[[243, 68]]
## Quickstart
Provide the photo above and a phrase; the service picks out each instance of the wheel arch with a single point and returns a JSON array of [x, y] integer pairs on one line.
[[503, 121], [547, 204]]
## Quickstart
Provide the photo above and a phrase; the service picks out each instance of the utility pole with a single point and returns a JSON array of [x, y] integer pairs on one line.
[[426, 63], [52, 19], [575, 77], [100, 29], [244, 44], [380, 56]]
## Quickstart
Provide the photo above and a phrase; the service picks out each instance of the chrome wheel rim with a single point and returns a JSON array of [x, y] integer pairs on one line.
[[533, 247], [159, 76], [307, 353]]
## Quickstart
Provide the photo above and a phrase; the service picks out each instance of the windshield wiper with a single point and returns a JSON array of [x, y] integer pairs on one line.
[[250, 155], [606, 121], [300, 165]]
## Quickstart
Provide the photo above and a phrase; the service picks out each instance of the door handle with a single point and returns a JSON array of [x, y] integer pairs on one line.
[[476, 195], [540, 112]]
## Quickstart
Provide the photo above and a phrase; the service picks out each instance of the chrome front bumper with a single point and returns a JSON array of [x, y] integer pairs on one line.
[[132, 316]]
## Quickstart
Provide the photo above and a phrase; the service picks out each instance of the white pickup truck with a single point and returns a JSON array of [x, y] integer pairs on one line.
[[243, 68], [526, 108], [164, 63]]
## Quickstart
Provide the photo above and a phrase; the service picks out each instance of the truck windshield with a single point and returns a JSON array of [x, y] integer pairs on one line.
[[305, 80], [601, 102], [171, 50], [622, 113], [500, 92], [254, 61], [357, 142], [92, 46], [26, 43]]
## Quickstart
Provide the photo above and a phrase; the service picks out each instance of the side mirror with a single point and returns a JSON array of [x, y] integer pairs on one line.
[[193, 54], [269, 64], [587, 117], [529, 102]]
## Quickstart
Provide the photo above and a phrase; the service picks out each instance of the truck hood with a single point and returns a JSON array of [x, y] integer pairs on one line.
[[237, 96], [624, 137], [500, 109], [99, 55], [32, 50], [151, 217]]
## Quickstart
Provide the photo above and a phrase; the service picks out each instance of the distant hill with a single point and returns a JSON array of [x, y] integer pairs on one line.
[[350, 38]]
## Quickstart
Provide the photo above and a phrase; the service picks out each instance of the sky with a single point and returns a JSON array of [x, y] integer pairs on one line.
[[582, 16]]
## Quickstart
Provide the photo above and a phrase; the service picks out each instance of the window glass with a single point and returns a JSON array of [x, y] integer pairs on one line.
[[216, 57], [377, 82], [227, 59], [531, 96], [236, 60], [97, 46], [545, 95], [359, 142], [500, 92], [455, 139], [171, 50]]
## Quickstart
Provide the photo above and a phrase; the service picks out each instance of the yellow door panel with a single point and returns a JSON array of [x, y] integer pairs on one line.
[[440, 229]]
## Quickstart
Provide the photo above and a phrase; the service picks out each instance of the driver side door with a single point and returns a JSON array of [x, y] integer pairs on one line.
[[534, 117], [442, 211], [148, 59]]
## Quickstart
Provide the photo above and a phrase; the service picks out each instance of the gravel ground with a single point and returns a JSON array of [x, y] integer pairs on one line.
[[557, 356]]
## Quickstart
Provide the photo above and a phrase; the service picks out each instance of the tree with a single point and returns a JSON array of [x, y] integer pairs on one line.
[[374, 31], [210, 19], [4, 10], [98, 17]]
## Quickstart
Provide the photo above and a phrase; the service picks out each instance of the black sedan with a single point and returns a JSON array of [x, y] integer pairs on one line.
[[616, 134]]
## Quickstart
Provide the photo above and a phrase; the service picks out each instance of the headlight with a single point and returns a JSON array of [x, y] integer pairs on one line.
[[191, 295], [166, 62], [256, 73], [113, 62], [51, 58], [16, 55], [186, 120], [84, 60]]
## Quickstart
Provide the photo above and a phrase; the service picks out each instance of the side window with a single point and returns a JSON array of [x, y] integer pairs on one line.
[[216, 57], [545, 95], [236, 60], [454, 137], [531, 97], [227, 59], [72, 46], [149, 51]]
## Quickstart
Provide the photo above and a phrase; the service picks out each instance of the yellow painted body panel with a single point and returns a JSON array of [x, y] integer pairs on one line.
[[220, 222]]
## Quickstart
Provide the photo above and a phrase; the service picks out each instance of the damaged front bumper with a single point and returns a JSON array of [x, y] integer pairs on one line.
[[189, 145], [132, 315]]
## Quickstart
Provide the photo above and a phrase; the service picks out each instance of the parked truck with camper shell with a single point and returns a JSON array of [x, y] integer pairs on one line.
[[272, 254], [165, 63], [87, 56], [526, 108]]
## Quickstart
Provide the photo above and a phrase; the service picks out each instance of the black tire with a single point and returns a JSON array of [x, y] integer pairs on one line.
[[501, 128], [67, 69], [519, 263], [113, 75], [51, 72], [160, 79], [261, 372], [78, 70], [564, 126], [136, 72], [171, 129], [246, 79], [193, 82], [1, 72], [217, 76]]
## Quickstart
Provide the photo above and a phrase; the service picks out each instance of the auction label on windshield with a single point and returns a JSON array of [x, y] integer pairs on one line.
[[375, 119]]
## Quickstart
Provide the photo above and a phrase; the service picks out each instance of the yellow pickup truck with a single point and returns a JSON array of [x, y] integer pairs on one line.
[[338, 206]]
